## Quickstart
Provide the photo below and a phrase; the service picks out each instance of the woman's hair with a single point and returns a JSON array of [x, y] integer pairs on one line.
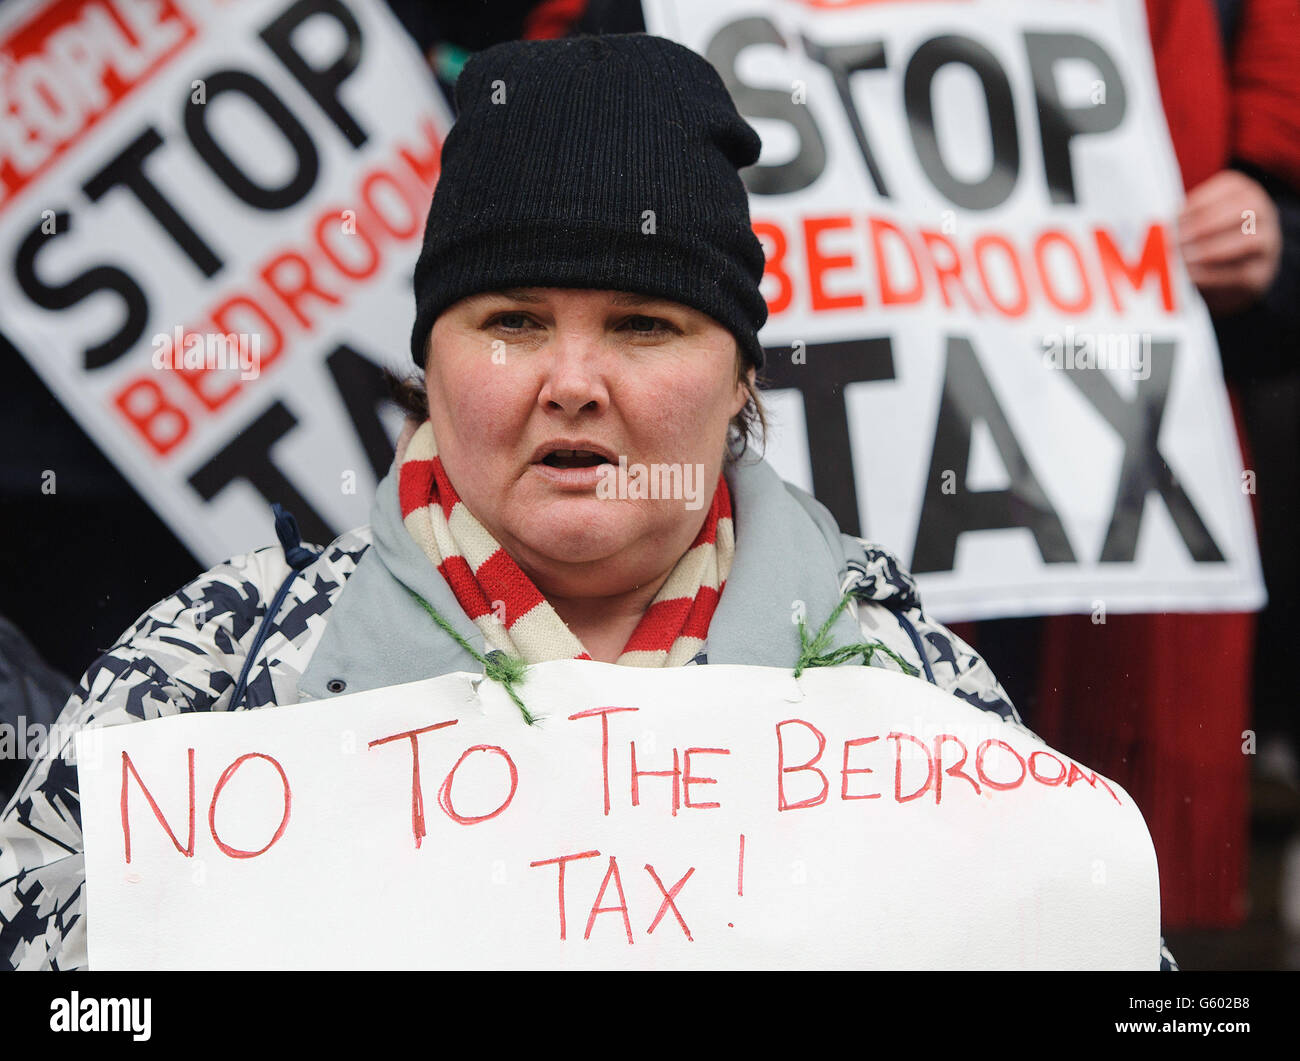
[[748, 425]]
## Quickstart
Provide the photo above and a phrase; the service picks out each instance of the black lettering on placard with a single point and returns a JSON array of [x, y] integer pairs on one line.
[[842, 60], [945, 517], [321, 82], [82, 286], [361, 386], [307, 163], [127, 170], [1059, 124], [995, 186], [1137, 422], [810, 156], [248, 456], [829, 368]]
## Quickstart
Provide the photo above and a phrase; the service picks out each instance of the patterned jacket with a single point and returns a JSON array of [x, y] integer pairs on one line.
[[347, 624]]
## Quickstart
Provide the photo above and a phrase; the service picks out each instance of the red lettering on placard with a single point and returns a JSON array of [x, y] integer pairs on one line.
[[774, 265], [1152, 260], [1020, 303], [1091, 778], [857, 742], [898, 739], [444, 793], [740, 868], [417, 792], [949, 269], [675, 773], [129, 767], [670, 901], [688, 779], [289, 276], [781, 769], [819, 264], [1084, 299], [160, 423], [562, 861], [953, 771], [1039, 777], [980, 753], [268, 329], [198, 380], [201, 377], [70, 65], [621, 908], [227, 774], [889, 293], [331, 224], [408, 226], [425, 167], [604, 713], [1054, 270]]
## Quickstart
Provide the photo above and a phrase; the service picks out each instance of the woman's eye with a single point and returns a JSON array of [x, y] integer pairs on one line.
[[511, 322], [647, 325]]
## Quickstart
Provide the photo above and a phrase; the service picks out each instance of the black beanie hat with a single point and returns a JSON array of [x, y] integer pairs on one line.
[[560, 148]]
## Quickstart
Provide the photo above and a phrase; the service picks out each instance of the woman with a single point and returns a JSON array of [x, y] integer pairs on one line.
[[587, 300]]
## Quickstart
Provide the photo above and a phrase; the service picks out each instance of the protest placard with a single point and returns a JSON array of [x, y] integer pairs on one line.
[[696, 817], [209, 214], [985, 349]]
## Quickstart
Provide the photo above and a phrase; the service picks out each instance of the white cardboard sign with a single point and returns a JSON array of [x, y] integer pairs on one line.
[[700, 817]]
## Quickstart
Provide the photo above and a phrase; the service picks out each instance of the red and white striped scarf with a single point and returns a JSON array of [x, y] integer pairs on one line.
[[479, 572]]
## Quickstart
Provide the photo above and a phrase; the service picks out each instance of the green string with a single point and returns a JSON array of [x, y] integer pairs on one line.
[[506, 670], [812, 650]]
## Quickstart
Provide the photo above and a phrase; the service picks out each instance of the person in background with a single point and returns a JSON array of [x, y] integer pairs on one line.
[[1176, 730]]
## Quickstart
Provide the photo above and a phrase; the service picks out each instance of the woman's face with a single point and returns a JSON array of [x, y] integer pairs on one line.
[[537, 396]]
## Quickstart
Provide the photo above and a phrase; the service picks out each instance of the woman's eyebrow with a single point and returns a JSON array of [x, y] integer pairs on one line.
[[515, 294]]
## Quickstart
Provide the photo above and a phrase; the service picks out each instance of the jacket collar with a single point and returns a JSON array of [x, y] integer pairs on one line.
[[789, 560], [788, 557]]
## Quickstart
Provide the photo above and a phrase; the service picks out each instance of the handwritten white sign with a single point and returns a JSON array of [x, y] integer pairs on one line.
[[702, 817]]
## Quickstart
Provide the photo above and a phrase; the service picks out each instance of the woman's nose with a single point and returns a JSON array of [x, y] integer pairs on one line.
[[575, 374]]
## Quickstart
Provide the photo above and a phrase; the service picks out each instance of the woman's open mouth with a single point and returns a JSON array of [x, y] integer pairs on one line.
[[573, 463], [574, 458]]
